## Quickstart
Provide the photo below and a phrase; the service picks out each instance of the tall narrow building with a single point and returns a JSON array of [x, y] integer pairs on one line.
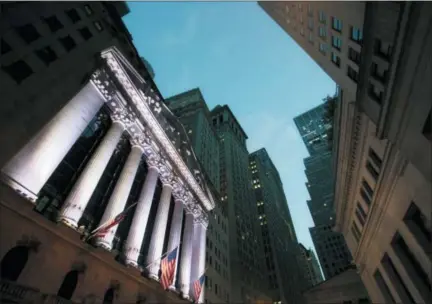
[[285, 274], [311, 266], [248, 272], [191, 109], [330, 246]]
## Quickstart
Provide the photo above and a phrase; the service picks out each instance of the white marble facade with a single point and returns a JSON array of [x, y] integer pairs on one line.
[[131, 112]]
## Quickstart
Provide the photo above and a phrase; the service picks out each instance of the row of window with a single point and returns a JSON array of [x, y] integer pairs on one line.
[[413, 268], [218, 290], [20, 70], [373, 166]]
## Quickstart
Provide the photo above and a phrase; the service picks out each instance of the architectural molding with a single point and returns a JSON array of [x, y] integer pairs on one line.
[[148, 106], [103, 83]]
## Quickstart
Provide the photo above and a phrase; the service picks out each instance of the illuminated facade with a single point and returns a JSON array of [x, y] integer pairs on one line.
[[113, 145]]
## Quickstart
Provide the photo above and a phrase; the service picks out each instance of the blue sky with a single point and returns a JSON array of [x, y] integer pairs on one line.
[[237, 55]]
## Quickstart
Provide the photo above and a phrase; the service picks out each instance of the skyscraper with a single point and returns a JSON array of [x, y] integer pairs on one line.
[[286, 279], [330, 246], [380, 58], [311, 266], [190, 107], [248, 279], [369, 48]]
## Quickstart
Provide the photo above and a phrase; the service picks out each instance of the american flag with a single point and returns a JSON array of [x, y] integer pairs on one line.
[[197, 287], [168, 265], [103, 229]]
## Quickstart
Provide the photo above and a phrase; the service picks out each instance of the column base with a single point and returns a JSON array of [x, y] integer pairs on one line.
[[68, 222], [153, 277], [185, 296], [173, 288], [103, 245], [18, 188], [131, 263]]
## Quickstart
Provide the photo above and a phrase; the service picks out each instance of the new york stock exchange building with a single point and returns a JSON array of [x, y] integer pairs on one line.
[[114, 146]]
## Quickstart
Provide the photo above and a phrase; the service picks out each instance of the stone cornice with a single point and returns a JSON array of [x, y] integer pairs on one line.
[[135, 119], [351, 121]]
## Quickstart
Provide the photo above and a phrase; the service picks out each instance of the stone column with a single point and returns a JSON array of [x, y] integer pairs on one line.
[[158, 234], [186, 255], [139, 222], [175, 234], [199, 251], [119, 197], [202, 253], [29, 170], [84, 187]]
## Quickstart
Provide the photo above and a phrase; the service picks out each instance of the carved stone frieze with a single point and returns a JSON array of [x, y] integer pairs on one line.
[[101, 80]]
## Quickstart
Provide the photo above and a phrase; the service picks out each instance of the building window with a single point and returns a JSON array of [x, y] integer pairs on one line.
[[352, 74], [427, 127], [98, 26], [383, 49], [310, 24], [419, 226], [310, 10], [85, 33], [367, 187], [322, 32], [396, 279], [353, 55], [355, 231], [335, 59], [336, 42], [365, 197], [88, 10], [47, 55], [73, 15], [375, 158], [361, 210], [28, 33], [322, 17], [360, 218], [310, 37], [382, 285], [53, 23], [356, 35], [5, 48], [337, 24], [323, 48], [18, 70], [373, 172], [377, 74], [68, 43], [375, 93], [415, 271]]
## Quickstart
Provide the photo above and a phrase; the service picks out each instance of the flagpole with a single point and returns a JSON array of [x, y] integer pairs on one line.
[[106, 223], [162, 256]]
